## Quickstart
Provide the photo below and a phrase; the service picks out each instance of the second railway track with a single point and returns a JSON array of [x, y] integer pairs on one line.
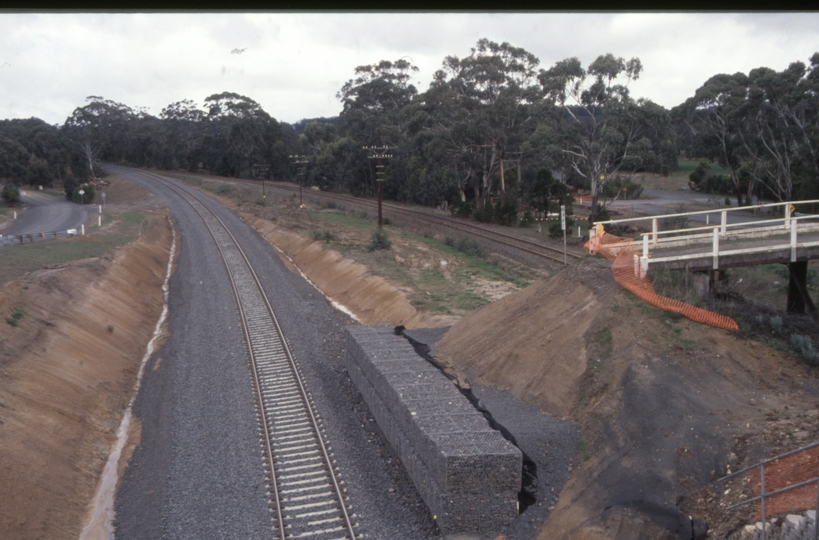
[[307, 498], [474, 229]]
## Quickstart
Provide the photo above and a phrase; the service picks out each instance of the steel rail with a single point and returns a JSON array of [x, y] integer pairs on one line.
[[472, 229], [266, 419]]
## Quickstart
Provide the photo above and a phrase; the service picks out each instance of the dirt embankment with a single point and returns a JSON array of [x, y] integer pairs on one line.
[[370, 298], [665, 405], [67, 370]]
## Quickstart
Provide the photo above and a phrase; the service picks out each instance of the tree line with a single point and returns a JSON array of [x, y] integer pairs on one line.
[[495, 136]]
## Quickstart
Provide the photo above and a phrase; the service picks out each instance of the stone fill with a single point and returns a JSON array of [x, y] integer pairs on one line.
[[466, 472]]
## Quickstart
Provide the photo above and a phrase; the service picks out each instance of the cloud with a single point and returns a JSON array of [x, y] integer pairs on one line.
[[294, 63]]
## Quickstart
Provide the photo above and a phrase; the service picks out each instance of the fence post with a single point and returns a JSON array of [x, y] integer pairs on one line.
[[724, 220], [715, 250], [787, 216], [654, 230], [762, 500], [794, 226]]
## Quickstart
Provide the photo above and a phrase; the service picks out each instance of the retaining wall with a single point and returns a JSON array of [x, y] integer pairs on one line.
[[467, 473]]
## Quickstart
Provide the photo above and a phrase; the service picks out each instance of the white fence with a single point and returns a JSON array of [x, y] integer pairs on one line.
[[719, 234]]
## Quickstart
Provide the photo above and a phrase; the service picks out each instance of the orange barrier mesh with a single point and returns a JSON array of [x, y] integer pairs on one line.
[[624, 254]]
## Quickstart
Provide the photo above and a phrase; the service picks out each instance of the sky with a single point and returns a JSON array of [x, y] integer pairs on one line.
[[293, 64]]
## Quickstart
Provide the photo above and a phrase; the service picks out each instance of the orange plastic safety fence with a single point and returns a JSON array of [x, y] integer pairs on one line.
[[624, 254]]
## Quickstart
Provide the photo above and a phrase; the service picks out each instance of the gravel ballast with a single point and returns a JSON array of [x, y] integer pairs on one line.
[[198, 470]]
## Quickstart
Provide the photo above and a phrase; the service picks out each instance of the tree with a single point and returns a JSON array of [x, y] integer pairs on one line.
[[492, 97], [100, 130], [713, 118], [184, 126], [14, 160], [10, 194], [594, 122], [779, 128]]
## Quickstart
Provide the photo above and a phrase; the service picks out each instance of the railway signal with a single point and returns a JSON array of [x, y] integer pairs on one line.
[[301, 162], [379, 155]]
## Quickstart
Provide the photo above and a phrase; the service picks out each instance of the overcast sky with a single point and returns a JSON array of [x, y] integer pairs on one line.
[[293, 64]]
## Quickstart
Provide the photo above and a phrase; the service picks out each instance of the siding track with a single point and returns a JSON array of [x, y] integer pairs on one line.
[[467, 227], [307, 499]]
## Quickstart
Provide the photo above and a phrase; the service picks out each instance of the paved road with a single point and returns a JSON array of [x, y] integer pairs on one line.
[[197, 472], [46, 213]]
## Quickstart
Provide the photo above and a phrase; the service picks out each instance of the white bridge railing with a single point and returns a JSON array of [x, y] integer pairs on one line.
[[791, 223]]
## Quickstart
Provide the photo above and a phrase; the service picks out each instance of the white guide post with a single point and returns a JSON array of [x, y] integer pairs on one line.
[[715, 250], [794, 226], [723, 222], [654, 230]]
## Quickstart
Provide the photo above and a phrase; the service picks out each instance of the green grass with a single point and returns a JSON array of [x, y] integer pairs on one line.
[[17, 260], [341, 219], [604, 338], [16, 315], [687, 166]]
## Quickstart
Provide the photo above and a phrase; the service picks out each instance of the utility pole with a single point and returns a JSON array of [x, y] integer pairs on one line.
[[260, 171], [301, 162], [379, 155]]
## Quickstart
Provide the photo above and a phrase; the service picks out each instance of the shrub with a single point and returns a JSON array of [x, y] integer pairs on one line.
[[804, 347], [88, 194], [485, 214], [379, 240], [324, 236], [464, 245], [527, 218], [10, 194], [465, 209]]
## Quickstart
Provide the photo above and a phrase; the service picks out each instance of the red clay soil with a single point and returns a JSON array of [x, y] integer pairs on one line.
[[67, 371]]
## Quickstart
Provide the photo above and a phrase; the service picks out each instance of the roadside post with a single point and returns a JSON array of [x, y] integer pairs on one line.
[[82, 200], [563, 228]]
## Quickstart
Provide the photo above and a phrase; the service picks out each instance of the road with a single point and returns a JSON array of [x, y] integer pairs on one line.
[[198, 470], [46, 213]]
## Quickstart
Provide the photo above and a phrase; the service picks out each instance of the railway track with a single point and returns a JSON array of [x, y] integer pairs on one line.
[[525, 245], [307, 500]]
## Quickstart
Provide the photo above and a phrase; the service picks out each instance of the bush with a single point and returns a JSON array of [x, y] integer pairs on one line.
[[469, 247], [379, 240], [506, 214], [324, 236], [465, 209], [527, 219], [804, 347], [88, 194], [10, 194], [485, 214]]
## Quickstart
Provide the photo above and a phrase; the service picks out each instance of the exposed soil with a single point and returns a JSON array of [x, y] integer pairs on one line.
[[67, 370], [664, 406]]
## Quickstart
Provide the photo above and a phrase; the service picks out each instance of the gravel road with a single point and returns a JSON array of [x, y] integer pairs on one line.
[[46, 213]]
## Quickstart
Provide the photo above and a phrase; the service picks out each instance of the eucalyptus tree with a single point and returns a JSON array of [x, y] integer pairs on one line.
[[99, 129], [779, 132], [594, 122], [491, 104], [372, 105], [185, 125], [713, 116], [239, 135]]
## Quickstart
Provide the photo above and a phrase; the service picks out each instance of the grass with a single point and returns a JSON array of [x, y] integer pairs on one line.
[[17, 260], [16, 315], [686, 166], [340, 218], [604, 338]]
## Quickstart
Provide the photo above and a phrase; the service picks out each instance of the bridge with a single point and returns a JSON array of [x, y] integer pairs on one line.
[[784, 233]]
